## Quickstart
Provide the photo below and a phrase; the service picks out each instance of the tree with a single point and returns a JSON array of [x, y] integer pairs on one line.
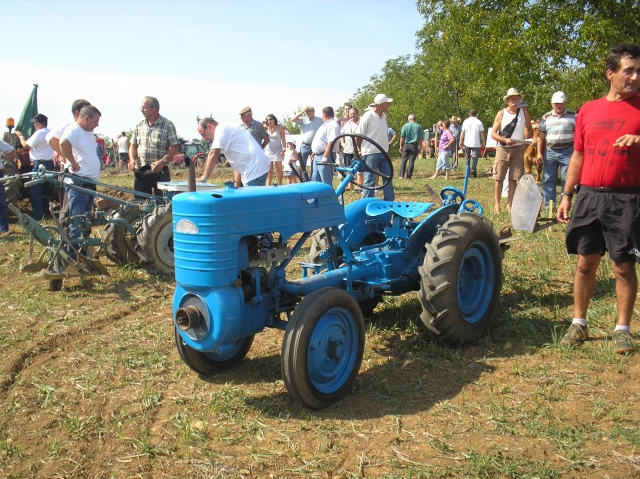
[[470, 52]]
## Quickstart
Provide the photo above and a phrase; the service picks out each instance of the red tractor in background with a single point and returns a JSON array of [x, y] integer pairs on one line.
[[191, 149]]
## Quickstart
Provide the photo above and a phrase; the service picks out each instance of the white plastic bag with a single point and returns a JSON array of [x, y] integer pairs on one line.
[[526, 204]]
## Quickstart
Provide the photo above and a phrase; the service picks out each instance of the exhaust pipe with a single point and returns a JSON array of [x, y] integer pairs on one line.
[[189, 317], [191, 176]]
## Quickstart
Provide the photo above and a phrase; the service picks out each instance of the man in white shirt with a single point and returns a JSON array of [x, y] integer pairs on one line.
[[373, 124], [53, 137], [348, 146], [123, 151], [41, 154], [472, 137], [323, 156], [241, 150], [308, 124], [78, 146]]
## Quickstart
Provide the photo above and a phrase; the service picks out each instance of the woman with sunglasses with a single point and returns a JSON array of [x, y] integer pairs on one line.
[[275, 148]]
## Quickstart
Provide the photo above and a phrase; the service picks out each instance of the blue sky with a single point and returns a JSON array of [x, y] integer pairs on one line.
[[197, 58]]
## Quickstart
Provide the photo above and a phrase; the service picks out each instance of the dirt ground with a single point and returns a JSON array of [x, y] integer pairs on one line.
[[91, 386]]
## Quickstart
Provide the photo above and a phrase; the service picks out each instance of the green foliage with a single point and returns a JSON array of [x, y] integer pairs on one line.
[[290, 126], [472, 52]]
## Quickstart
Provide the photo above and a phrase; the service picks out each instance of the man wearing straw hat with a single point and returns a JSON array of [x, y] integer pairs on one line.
[[511, 127], [455, 130]]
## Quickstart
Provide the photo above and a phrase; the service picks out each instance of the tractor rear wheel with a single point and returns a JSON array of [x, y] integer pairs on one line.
[[461, 279], [211, 363], [12, 190], [120, 244], [155, 242], [323, 347]]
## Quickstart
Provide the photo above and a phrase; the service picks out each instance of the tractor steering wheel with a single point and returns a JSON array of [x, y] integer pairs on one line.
[[386, 179], [451, 195]]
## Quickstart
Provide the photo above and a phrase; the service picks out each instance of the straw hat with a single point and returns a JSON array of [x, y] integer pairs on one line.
[[512, 92]]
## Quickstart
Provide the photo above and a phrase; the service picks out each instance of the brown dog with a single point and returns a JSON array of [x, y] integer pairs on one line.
[[531, 153]]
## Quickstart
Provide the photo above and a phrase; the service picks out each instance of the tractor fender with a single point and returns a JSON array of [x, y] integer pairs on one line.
[[359, 224], [427, 229]]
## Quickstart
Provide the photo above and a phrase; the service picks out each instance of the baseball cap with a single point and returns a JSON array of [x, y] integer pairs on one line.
[[558, 97], [40, 118], [381, 98]]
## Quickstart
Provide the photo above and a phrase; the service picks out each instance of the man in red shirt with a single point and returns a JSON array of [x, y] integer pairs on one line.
[[605, 171]]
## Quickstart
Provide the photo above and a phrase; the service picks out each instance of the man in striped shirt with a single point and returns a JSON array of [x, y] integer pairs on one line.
[[555, 145]]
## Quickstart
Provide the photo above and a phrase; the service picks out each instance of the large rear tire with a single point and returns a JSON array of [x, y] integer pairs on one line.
[[155, 242], [323, 347], [120, 243], [461, 280], [12, 190]]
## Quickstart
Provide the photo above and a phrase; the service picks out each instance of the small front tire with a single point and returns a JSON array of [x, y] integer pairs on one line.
[[323, 347]]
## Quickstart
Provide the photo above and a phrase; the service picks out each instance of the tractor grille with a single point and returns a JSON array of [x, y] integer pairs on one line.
[[199, 333]]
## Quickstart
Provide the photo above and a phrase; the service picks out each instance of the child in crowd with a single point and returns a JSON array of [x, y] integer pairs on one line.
[[290, 159]]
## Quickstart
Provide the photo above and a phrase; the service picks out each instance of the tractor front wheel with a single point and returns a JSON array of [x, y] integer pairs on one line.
[[461, 279], [211, 363], [323, 347], [155, 242]]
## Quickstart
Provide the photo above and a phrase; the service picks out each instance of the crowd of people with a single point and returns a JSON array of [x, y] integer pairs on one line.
[[596, 150]]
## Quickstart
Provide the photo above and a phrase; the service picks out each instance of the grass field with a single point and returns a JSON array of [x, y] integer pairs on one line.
[[91, 385]]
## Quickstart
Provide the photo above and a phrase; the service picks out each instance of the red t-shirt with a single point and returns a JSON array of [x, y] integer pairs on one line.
[[598, 125]]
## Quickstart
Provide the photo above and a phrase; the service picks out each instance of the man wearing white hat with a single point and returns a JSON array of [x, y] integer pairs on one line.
[[373, 124], [511, 126], [555, 145], [455, 130]]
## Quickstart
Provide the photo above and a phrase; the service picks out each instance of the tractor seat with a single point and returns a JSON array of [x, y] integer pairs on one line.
[[406, 210]]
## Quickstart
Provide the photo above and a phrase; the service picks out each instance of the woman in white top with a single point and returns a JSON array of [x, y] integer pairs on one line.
[[275, 148]]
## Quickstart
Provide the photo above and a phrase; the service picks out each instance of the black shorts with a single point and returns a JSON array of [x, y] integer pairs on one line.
[[123, 156], [605, 220]]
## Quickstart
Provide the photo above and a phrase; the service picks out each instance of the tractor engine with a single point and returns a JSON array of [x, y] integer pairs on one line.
[[221, 296]]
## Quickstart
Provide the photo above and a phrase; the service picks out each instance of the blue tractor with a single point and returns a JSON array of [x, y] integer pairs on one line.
[[234, 250]]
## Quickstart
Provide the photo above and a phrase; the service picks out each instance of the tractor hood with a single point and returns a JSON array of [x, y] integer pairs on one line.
[[208, 225]]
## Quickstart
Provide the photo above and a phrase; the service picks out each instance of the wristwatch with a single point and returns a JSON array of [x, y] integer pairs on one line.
[[565, 193]]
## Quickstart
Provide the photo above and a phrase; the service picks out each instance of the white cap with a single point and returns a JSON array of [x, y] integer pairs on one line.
[[558, 97], [381, 98]]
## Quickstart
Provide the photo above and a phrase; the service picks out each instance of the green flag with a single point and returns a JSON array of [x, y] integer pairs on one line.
[[30, 110]]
